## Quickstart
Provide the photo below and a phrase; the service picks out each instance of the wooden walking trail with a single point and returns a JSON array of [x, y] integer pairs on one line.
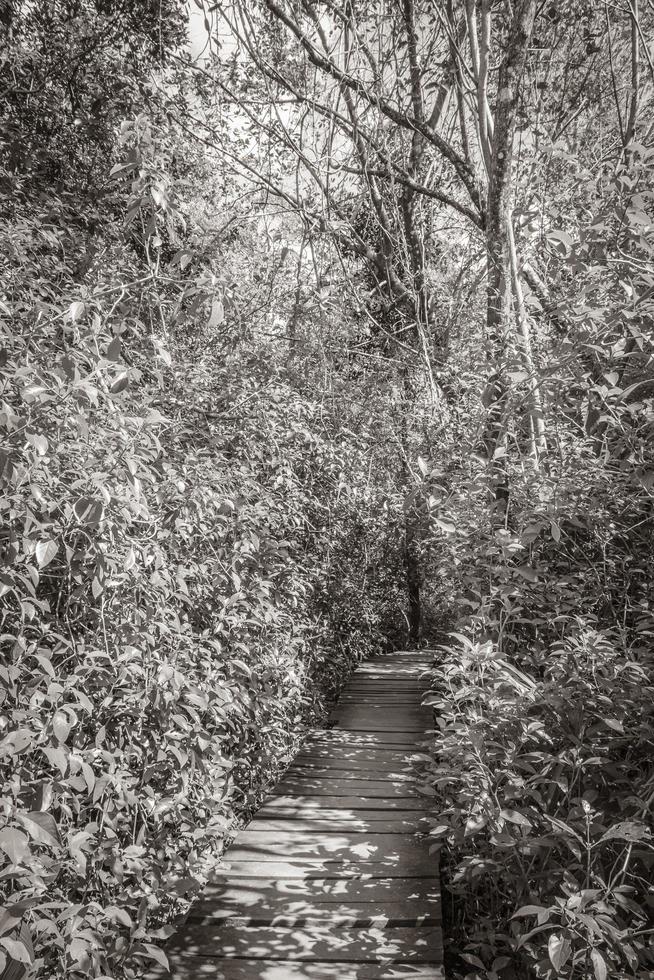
[[332, 878]]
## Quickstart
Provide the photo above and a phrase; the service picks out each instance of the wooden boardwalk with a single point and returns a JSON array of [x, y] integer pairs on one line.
[[331, 879]]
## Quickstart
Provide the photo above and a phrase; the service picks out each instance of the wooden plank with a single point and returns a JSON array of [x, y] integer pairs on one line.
[[355, 759], [402, 740], [399, 719], [381, 688], [401, 676], [276, 811], [381, 711], [360, 802], [385, 684], [346, 815], [393, 850], [381, 755], [417, 672], [382, 698], [336, 740], [326, 845], [201, 968], [255, 900], [420, 944], [344, 760], [381, 704], [341, 757], [314, 771], [413, 657], [264, 895], [372, 693], [383, 789], [327, 869], [334, 825], [356, 722], [343, 915]]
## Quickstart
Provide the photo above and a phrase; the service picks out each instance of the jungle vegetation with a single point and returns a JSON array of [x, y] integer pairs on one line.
[[326, 328]]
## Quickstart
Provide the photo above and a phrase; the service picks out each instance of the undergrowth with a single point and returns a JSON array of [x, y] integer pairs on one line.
[[545, 784]]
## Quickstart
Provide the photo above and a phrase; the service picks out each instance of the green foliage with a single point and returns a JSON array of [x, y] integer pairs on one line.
[[188, 540], [546, 782], [542, 765], [224, 444]]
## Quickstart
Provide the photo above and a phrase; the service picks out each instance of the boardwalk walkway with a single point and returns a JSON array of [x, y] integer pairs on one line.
[[331, 878]]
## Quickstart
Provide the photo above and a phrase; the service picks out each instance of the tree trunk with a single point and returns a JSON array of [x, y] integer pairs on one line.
[[498, 245], [411, 524], [412, 568]]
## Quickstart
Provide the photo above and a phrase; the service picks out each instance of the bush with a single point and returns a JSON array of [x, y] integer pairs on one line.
[[545, 779]]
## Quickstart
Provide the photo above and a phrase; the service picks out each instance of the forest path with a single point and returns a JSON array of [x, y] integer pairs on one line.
[[332, 878]]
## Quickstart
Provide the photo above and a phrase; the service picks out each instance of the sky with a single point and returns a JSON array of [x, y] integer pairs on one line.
[[198, 35]]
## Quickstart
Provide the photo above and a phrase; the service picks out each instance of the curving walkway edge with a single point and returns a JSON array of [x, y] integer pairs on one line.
[[332, 878]]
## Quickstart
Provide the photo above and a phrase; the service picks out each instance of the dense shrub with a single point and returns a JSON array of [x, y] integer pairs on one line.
[[184, 538], [546, 784]]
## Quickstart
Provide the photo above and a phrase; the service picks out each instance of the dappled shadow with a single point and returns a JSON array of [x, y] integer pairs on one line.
[[318, 942], [196, 968], [331, 878], [295, 902]]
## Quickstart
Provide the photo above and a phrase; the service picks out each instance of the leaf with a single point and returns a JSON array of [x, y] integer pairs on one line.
[[475, 823], [558, 949], [15, 844], [45, 552], [88, 510], [441, 829], [61, 725], [9, 921], [473, 961], [58, 758], [114, 349], [527, 572], [6, 466], [534, 932], [560, 239], [561, 825], [40, 443], [446, 526], [118, 915], [615, 724], [514, 816], [500, 963], [79, 952], [121, 382], [41, 827], [76, 311], [153, 953], [17, 950], [528, 910], [122, 168], [599, 964], [630, 955], [628, 830], [217, 313]]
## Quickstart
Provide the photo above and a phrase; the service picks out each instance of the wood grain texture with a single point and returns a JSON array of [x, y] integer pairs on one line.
[[421, 944], [332, 878], [197, 968]]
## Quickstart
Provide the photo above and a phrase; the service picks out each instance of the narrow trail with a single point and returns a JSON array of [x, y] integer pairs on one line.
[[332, 878]]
